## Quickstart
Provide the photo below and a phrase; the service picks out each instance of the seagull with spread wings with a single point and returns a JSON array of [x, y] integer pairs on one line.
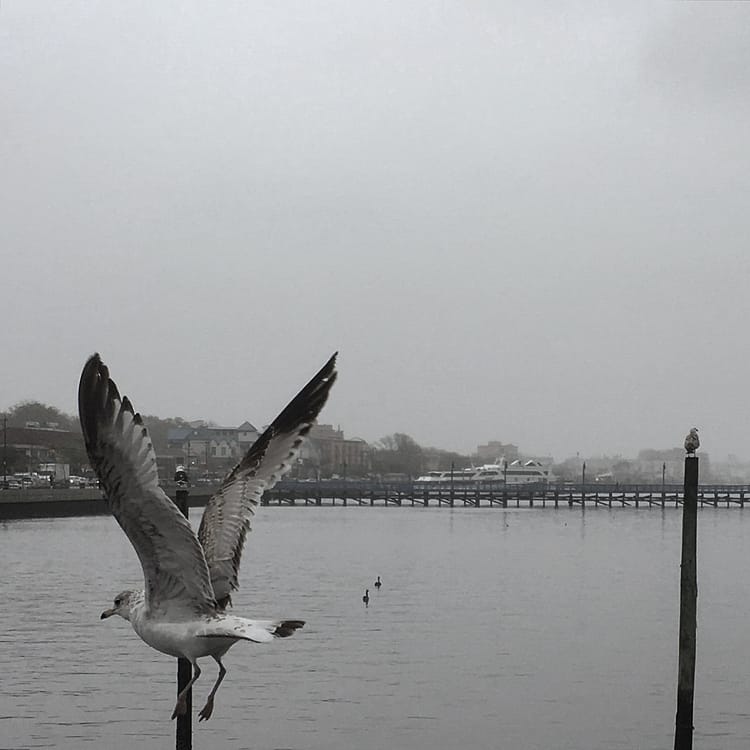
[[188, 579]]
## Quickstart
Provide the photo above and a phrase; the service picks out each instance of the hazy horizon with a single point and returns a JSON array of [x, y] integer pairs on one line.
[[517, 223]]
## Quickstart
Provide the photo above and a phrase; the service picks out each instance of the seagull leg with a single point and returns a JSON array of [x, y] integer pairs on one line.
[[207, 710], [181, 706]]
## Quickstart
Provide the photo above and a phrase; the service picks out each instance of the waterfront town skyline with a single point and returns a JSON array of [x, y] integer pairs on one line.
[[211, 446]]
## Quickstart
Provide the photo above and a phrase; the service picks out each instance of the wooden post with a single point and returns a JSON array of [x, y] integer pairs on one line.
[[583, 485], [683, 737], [184, 729]]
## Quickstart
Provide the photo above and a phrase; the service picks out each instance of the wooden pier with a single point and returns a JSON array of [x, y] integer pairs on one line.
[[490, 495], [72, 502]]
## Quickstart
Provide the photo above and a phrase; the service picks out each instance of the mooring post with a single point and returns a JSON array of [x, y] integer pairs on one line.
[[184, 729], [683, 737], [452, 469]]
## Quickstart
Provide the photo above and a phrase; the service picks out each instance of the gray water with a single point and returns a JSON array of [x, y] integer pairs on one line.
[[516, 629]]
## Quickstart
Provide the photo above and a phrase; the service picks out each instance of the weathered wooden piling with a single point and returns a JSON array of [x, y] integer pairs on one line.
[[184, 729], [452, 490], [683, 737]]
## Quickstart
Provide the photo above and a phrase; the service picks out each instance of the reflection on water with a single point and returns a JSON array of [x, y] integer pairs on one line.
[[518, 629]]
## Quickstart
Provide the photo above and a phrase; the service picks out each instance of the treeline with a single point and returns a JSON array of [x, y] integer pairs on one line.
[[41, 414], [401, 454], [37, 413]]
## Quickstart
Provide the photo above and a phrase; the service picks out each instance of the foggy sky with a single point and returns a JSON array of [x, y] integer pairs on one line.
[[525, 223]]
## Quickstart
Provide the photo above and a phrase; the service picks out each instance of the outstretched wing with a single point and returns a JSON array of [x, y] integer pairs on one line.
[[121, 454], [228, 515]]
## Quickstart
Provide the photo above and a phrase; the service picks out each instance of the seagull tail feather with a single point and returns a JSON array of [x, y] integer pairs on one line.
[[285, 628], [259, 631]]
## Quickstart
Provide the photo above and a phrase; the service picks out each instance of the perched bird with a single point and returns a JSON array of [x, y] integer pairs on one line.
[[692, 442], [188, 578], [366, 597], [378, 584]]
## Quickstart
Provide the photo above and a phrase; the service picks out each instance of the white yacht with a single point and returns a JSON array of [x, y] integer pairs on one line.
[[458, 475], [515, 472]]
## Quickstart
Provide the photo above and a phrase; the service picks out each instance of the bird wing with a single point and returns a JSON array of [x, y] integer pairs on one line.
[[121, 454], [228, 515]]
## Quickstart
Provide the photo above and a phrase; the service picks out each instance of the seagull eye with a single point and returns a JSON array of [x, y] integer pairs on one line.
[[118, 602]]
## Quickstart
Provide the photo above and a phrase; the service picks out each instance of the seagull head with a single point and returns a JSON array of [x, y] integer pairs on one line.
[[123, 605]]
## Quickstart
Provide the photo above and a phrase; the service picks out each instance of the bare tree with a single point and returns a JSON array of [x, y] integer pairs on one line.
[[398, 454]]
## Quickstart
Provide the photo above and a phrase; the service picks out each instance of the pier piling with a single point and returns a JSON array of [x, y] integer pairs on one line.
[[683, 738]]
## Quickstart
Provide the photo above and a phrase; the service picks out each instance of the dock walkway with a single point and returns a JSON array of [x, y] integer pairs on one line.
[[478, 495]]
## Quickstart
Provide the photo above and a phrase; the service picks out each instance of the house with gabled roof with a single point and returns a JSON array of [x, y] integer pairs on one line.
[[210, 448], [247, 434]]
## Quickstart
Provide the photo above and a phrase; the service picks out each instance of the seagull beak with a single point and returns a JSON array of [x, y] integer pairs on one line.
[[107, 613]]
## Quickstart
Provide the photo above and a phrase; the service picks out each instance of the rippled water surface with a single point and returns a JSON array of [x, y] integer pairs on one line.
[[516, 629]]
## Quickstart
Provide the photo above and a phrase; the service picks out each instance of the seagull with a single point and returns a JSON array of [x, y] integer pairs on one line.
[[188, 579], [366, 597], [692, 442], [378, 583]]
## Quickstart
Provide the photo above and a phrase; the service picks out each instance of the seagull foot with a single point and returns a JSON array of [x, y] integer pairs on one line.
[[180, 708], [207, 710]]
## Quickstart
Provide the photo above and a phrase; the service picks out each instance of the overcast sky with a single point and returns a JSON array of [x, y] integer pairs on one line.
[[521, 222]]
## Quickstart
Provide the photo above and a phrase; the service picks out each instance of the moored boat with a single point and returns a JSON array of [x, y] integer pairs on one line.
[[515, 472]]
